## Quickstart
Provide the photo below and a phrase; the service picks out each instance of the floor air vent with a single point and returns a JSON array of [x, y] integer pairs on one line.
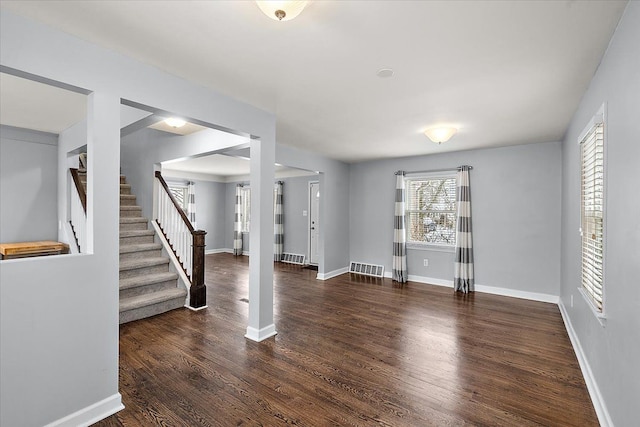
[[366, 269], [293, 258]]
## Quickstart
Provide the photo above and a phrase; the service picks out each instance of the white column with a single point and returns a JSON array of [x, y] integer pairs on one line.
[[261, 326]]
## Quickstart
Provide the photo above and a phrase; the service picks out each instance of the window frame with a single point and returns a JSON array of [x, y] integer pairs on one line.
[[414, 244], [598, 119], [184, 188]]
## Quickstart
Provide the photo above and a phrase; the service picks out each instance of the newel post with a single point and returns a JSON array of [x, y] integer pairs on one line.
[[198, 289]]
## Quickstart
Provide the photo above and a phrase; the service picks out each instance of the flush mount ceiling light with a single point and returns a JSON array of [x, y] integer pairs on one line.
[[384, 73], [282, 10], [175, 122], [440, 135]]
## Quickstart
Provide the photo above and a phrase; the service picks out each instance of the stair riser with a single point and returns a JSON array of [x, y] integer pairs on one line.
[[123, 179], [151, 310], [133, 226], [146, 289], [130, 213], [127, 201], [133, 240], [125, 189], [144, 270], [141, 254]]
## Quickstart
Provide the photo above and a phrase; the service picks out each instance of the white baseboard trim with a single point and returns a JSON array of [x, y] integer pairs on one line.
[[431, 281], [196, 309], [92, 413], [592, 386], [258, 335], [223, 251], [332, 274], [533, 296], [217, 251]]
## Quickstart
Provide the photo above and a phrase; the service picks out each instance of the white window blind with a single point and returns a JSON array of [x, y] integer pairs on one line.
[[431, 210], [246, 209], [180, 193], [592, 214]]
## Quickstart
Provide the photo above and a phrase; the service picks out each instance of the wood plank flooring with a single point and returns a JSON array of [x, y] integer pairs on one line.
[[350, 351]]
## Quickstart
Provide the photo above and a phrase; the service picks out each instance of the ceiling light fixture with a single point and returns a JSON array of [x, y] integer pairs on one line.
[[282, 10], [440, 135], [175, 122], [383, 73]]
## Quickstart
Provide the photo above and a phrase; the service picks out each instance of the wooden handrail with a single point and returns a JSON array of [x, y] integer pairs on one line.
[[198, 290], [175, 202], [79, 187]]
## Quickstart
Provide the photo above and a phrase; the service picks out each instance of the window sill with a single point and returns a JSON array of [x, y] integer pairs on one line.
[[599, 314], [430, 247]]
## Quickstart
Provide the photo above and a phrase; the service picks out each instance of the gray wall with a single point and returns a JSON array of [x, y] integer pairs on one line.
[[296, 226], [60, 317], [334, 204], [612, 350], [143, 151], [515, 193], [28, 185], [295, 194]]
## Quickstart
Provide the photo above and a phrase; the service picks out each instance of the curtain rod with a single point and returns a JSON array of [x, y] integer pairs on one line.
[[433, 170]]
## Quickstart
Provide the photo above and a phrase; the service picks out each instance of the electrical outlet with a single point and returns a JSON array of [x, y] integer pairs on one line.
[[426, 262]]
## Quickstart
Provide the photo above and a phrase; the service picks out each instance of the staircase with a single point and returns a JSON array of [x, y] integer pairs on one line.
[[147, 286]]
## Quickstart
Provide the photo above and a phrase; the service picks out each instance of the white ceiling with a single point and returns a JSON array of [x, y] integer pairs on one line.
[[32, 105], [225, 168], [503, 72]]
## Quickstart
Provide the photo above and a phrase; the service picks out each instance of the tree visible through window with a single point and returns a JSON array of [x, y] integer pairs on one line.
[[180, 193], [431, 210]]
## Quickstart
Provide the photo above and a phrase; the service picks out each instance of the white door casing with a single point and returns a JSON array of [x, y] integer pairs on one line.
[[314, 221]]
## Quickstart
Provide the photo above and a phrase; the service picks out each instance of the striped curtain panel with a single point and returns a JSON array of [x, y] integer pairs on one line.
[[237, 224], [399, 269], [191, 203], [463, 275], [278, 223]]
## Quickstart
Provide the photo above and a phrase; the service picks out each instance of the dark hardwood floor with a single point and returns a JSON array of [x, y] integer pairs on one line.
[[351, 351]]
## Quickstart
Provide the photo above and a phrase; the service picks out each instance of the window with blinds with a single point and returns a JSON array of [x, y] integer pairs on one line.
[[180, 193], [246, 209], [431, 210], [592, 214]]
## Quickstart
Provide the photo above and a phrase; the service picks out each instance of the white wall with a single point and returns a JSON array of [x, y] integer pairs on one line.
[[515, 194], [610, 350], [59, 315], [28, 191]]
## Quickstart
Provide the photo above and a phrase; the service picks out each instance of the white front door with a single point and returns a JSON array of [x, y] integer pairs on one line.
[[314, 221]]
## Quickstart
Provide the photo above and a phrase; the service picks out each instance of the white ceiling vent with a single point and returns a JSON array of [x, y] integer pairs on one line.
[[366, 269]]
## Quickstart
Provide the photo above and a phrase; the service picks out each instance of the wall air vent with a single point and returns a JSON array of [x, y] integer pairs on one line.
[[366, 269], [293, 258]]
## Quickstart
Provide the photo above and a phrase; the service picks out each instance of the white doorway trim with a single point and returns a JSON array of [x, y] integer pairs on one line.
[[309, 217]]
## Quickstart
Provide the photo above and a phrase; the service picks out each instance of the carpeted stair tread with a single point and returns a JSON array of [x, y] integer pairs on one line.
[[131, 208], [139, 247], [132, 219], [148, 279], [142, 262], [139, 301], [136, 233]]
